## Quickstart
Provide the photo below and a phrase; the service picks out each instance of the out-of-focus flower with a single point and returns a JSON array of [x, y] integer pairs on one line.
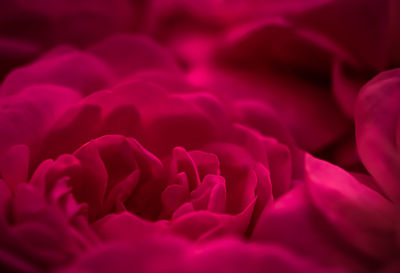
[[175, 255], [29, 28], [306, 59]]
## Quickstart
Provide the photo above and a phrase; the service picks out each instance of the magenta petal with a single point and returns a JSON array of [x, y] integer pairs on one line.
[[128, 54], [172, 197], [206, 225], [14, 166], [293, 222], [377, 114], [251, 46], [182, 162], [206, 163], [178, 123], [237, 169], [153, 255], [264, 119], [361, 215], [25, 117], [280, 166], [62, 137], [171, 254], [127, 227], [40, 232], [77, 70], [305, 108], [230, 256], [369, 46], [95, 179]]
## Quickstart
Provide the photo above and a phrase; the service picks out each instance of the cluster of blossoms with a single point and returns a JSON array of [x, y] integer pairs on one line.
[[174, 136]]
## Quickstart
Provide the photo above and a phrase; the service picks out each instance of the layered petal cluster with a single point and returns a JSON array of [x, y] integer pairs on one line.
[[130, 147], [221, 136]]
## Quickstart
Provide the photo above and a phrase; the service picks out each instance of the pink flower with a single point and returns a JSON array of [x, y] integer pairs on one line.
[[143, 153], [120, 154]]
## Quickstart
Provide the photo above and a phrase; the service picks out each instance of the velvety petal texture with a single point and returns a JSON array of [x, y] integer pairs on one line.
[[330, 214], [174, 255], [199, 136], [377, 128]]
